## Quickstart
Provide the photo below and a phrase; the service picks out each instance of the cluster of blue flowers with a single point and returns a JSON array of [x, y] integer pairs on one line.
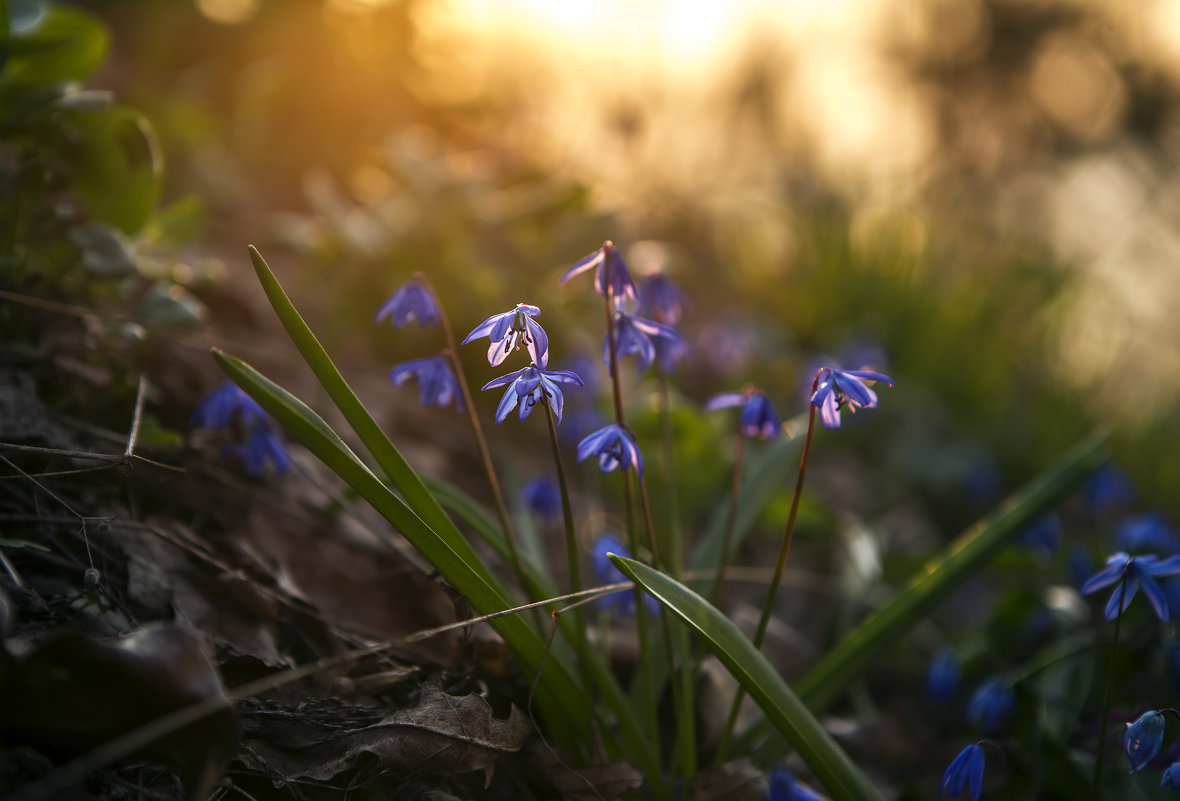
[[437, 384], [252, 433]]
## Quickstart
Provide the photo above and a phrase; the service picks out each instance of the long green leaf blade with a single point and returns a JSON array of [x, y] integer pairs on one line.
[[842, 779], [319, 438]]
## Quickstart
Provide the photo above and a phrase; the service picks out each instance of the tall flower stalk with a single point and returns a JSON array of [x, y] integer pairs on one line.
[[480, 440]]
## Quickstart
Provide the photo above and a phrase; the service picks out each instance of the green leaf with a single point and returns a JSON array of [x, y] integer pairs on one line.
[[840, 777], [5, 542], [859, 650], [105, 251], [114, 163], [462, 570], [53, 45]]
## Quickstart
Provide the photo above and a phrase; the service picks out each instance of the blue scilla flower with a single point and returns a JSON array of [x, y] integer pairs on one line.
[[783, 787], [1043, 535], [992, 704], [965, 773], [605, 572], [1171, 777], [1108, 488], [226, 406], [510, 330], [413, 303], [758, 418], [832, 390], [542, 497], [637, 336], [611, 276], [614, 447], [942, 677], [530, 386], [1139, 571], [437, 385], [1144, 738], [660, 299], [262, 445], [669, 352], [1146, 532]]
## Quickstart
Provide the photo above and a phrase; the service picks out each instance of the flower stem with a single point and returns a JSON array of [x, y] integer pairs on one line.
[[731, 517], [682, 693], [672, 521], [783, 551], [481, 441], [1110, 671], [567, 513]]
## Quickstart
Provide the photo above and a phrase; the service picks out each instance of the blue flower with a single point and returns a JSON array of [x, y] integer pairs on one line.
[[412, 303], [832, 390], [262, 445], [966, 771], [605, 572], [669, 352], [437, 385], [508, 331], [610, 272], [1146, 532], [1143, 739], [1172, 777], [614, 447], [253, 432], [942, 677], [992, 704], [542, 497], [1043, 535], [224, 406], [758, 417], [1139, 570], [528, 387], [638, 336], [783, 787], [661, 300], [1108, 488]]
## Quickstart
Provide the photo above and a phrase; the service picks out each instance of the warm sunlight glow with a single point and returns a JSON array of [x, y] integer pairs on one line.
[[229, 12]]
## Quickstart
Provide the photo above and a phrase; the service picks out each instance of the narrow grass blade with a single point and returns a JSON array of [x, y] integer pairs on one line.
[[300, 421], [855, 654], [842, 779]]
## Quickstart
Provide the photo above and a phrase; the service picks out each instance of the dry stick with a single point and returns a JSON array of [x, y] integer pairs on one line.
[[133, 434], [73, 772], [484, 454], [784, 549]]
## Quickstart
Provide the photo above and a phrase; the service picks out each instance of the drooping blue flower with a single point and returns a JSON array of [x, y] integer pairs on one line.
[[1146, 532], [1144, 738], [636, 336], [1108, 488], [605, 572], [253, 434], [660, 299], [437, 384], [992, 704], [530, 386], [965, 773], [1043, 535], [224, 407], [542, 497], [611, 276], [262, 445], [942, 677], [510, 330], [614, 447], [758, 417], [832, 390], [784, 787], [1139, 571], [412, 303], [1172, 777]]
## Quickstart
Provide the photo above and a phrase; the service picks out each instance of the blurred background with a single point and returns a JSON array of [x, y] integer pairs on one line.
[[980, 191]]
